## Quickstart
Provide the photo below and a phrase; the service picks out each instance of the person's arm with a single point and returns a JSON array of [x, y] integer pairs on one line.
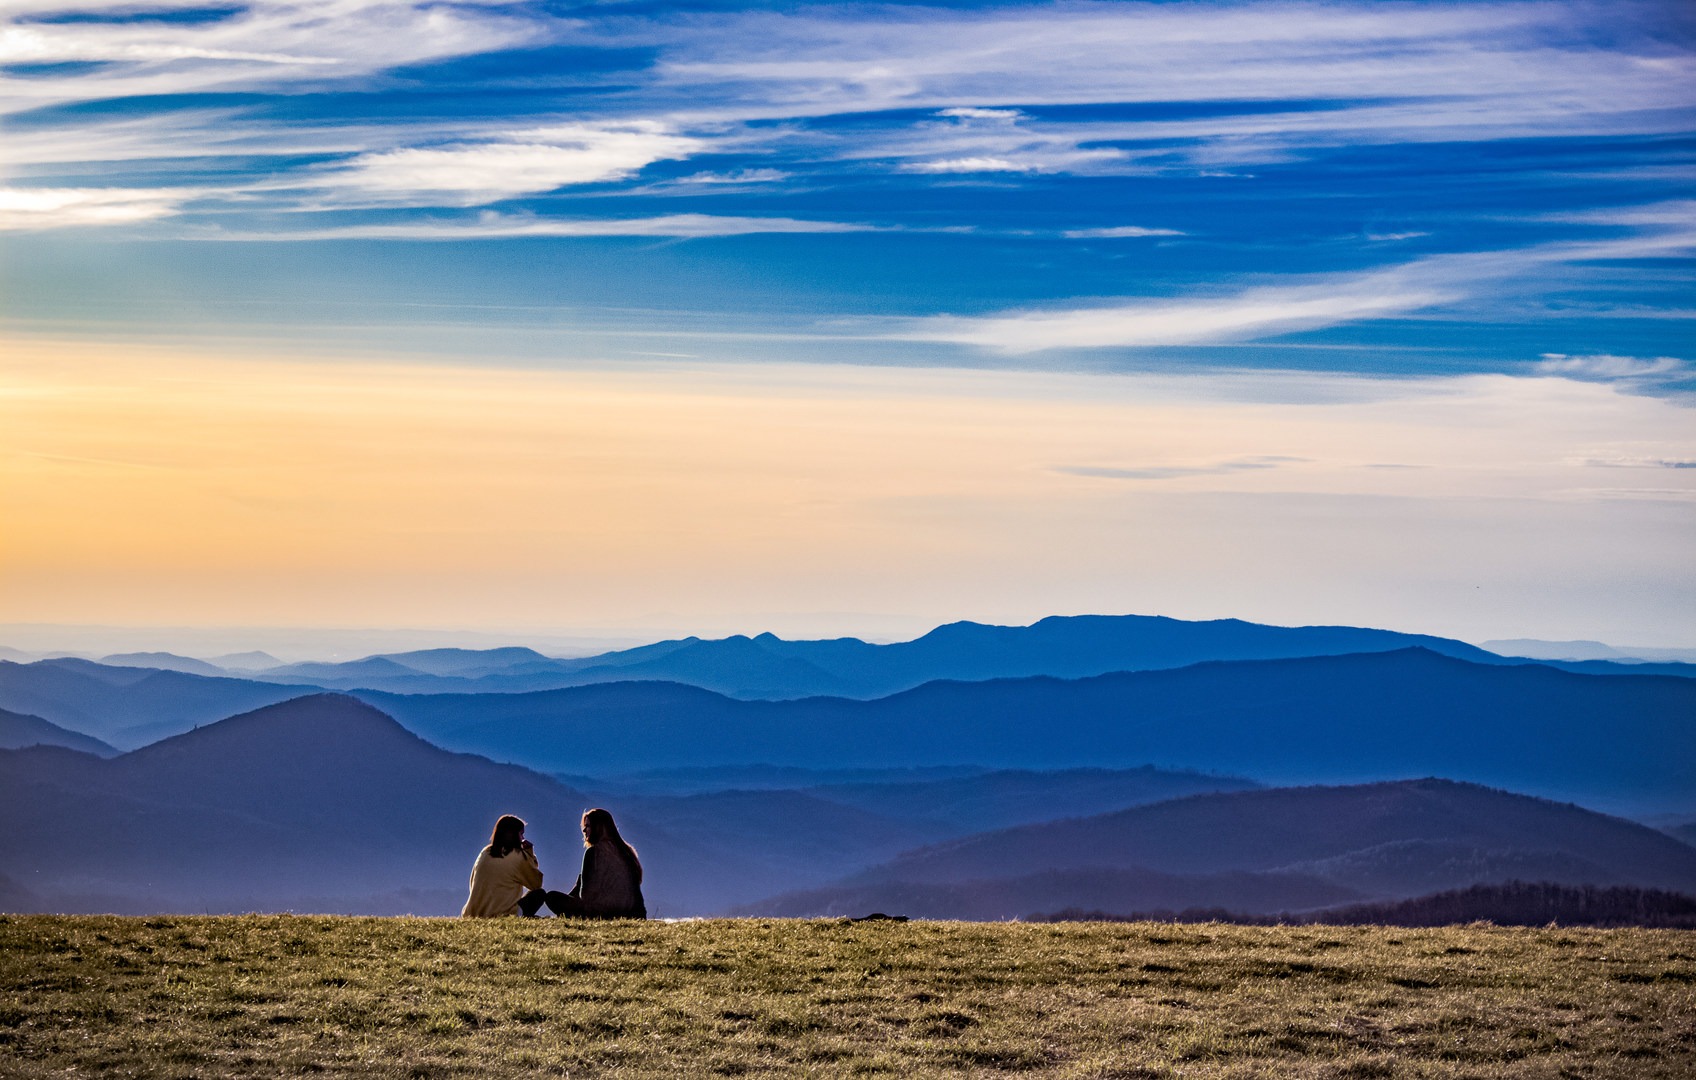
[[577, 889], [529, 873]]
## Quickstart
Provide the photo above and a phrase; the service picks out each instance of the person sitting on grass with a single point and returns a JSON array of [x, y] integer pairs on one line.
[[503, 870], [610, 885]]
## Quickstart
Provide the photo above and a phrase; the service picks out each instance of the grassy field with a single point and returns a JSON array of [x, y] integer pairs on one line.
[[281, 995]]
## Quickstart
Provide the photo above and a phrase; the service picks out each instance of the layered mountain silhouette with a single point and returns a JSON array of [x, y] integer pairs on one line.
[[1620, 742], [163, 661], [1589, 650], [1069, 646], [325, 802], [18, 730], [924, 803], [1273, 850], [125, 706], [260, 808], [115, 704], [1002, 798], [766, 667]]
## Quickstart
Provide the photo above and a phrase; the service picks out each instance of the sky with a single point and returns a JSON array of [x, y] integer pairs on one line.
[[561, 321]]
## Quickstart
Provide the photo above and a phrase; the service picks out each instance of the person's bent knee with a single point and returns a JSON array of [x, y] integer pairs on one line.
[[564, 904], [531, 902]]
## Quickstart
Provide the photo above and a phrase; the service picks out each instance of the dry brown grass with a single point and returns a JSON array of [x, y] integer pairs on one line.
[[278, 995]]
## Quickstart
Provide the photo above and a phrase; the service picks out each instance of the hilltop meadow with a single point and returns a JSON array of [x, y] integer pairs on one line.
[[205, 996]]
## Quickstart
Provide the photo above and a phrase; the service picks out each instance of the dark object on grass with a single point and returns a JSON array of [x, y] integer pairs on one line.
[[878, 916]]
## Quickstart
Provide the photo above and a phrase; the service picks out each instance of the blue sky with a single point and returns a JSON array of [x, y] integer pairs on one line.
[[1273, 203]]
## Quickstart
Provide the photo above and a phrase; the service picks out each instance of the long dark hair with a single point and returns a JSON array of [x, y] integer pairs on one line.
[[599, 828], [509, 830]]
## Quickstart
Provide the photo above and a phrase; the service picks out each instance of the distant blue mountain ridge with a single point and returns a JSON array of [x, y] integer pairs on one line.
[[1625, 742], [18, 731], [323, 803], [766, 667], [1260, 851]]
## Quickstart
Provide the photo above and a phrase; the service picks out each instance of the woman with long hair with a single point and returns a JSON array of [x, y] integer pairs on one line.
[[504, 869], [610, 885]]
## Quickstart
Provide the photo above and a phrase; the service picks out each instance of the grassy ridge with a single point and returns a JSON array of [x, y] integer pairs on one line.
[[281, 995]]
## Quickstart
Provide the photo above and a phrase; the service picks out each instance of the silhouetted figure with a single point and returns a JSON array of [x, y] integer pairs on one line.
[[504, 869], [610, 885]]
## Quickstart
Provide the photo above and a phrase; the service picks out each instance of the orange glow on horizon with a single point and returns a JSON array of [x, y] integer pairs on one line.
[[149, 487]]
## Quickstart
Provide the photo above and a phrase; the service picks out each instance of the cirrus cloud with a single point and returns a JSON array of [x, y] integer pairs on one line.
[[502, 226], [529, 162], [1117, 232], [1263, 311], [29, 209]]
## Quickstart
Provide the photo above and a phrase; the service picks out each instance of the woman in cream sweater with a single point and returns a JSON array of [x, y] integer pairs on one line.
[[503, 871]]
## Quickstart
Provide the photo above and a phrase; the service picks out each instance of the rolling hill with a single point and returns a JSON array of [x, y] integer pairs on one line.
[[18, 731], [324, 803], [1261, 851], [766, 667], [125, 706], [1006, 797], [1624, 743]]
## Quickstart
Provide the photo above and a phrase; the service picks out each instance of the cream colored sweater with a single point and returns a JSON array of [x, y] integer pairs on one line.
[[496, 884]]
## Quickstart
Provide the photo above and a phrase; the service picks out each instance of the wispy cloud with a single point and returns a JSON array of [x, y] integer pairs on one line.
[[1476, 70], [970, 165], [1639, 463], [496, 226], [996, 86], [1263, 311], [1658, 375], [1670, 212], [968, 112], [528, 162], [740, 176], [1604, 367], [263, 44], [969, 140], [1028, 160], [29, 209], [1116, 232], [1177, 472], [1250, 313]]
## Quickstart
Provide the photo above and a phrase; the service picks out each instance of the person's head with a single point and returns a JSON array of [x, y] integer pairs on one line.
[[599, 828], [508, 834], [598, 825]]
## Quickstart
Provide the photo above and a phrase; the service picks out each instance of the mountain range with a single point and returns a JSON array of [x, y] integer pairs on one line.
[[766, 667], [131, 699], [324, 803], [18, 730], [1281, 849], [128, 707], [1625, 743], [1089, 763], [325, 799]]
